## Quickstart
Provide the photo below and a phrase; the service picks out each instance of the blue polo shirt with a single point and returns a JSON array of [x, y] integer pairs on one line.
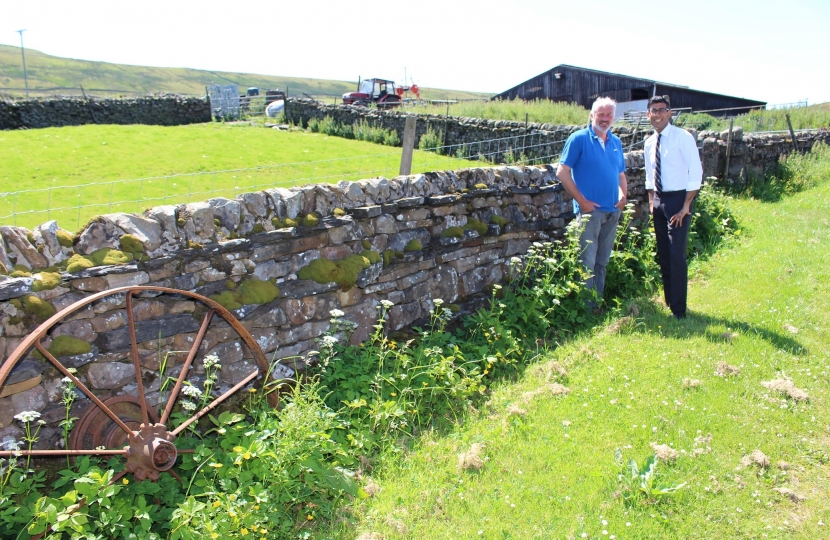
[[595, 170]]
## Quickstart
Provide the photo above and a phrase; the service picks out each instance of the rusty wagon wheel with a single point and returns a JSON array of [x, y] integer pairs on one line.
[[127, 425]]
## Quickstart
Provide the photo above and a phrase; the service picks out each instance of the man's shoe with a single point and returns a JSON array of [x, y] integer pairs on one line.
[[679, 316]]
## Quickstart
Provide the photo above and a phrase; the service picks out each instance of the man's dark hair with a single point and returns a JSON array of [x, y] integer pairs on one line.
[[659, 99]]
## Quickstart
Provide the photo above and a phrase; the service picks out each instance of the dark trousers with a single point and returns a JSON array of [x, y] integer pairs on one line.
[[671, 248]]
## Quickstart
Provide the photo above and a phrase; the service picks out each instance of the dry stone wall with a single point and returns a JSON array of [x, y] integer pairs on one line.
[[217, 245], [162, 110]]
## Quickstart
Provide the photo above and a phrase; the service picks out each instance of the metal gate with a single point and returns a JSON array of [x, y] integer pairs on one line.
[[224, 101]]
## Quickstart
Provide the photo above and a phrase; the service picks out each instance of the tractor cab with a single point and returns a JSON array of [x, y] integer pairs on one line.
[[380, 91]]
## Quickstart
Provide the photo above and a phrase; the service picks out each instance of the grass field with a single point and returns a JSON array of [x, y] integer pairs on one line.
[[50, 75], [90, 170], [553, 466]]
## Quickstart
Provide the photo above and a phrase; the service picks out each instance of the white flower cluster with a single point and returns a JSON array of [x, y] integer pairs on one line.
[[336, 313], [189, 406], [27, 416], [210, 361], [191, 391], [329, 341], [386, 303]]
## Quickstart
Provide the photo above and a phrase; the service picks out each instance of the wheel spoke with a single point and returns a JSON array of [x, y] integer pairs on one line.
[[15, 453], [82, 387], [171, 401], [215, 402], [134, 347]]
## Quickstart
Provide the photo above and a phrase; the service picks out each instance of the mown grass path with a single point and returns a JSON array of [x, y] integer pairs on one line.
[[549, 460]]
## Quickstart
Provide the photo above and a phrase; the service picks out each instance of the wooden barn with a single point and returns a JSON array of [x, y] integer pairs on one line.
[[583, 86]]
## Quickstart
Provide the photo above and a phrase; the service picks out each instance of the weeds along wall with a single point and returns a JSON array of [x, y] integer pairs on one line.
[[446, 235], [163, 110]]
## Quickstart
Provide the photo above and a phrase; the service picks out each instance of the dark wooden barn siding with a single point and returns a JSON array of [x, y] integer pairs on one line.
[[583, 86]]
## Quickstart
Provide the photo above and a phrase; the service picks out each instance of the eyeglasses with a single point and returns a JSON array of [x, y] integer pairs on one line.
[[659, 111]]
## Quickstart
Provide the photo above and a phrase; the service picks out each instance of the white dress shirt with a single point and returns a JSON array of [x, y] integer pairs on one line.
[[680, 167]]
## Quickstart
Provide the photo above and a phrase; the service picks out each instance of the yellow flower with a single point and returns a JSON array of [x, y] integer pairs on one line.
[[232, 496], [214, 536], [238, 449], [246, 455], [125, 481], [393, 394], [252, 390], [217, 504], [216, 465], [310, 517], [244, 531], [256, 507]]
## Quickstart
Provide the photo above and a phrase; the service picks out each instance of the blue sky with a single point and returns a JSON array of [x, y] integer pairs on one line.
[[767, 50]]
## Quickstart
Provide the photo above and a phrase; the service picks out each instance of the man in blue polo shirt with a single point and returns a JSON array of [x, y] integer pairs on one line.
[[592, 171]]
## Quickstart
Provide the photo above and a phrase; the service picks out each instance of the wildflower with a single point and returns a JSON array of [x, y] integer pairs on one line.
[[438, 302], [27, 416], [330, 341], [66, 380], [244, 531], [191, 391], [252, 390], [336, 313], [214, 536], [216, 465], [217, 504], [125, 481], [210, 361], [496, 287], [393, 394], [386, 303], [515, 260], [189, 406], [238, 449], [310, 517]]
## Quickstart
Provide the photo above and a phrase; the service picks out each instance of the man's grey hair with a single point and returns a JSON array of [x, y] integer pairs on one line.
[[603, 102]]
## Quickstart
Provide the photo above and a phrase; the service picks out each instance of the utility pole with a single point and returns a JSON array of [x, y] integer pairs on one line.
[[23, 54]]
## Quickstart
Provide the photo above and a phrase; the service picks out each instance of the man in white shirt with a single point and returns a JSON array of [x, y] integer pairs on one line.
[[673, 178]]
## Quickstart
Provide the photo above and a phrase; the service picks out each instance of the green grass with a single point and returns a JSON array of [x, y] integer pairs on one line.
[[102, 162], [50, 75], [811, 117], [541, 111], [550, 469]]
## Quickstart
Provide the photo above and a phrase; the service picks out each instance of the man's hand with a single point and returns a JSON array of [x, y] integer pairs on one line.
[[622, 202], [586, 206], [677, 219]]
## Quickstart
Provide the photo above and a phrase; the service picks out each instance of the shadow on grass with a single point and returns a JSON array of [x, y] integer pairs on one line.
[[697, 323]]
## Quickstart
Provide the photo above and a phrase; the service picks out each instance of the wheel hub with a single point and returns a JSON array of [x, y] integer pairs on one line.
[[150, 452]]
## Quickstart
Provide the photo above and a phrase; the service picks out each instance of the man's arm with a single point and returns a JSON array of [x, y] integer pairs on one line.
[[695, 177], [564, 175]]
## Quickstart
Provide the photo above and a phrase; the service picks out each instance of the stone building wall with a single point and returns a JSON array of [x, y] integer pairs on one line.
[[162, 110], [204, 247]]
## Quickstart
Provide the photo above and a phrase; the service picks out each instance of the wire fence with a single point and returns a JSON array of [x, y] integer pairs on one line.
[[73, 205]]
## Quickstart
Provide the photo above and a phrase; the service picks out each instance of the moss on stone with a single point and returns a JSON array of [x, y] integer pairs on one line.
[[343, 272], [498, 220], [46, 281], [65, 238], [3, 269], [37, 309], [30, 237], [388, 255], [288, 222], [130, 243], [258, 228], [480, 186], [366, 244], [372, 256], [338, 212], [465, 190], [227, 299], [413, 245], [453, 232], [311, 220], [217, 223], [77, 262], [256, 291], [68, 346], [478, 226], [195, 245], [19, 270], [454, 308], [181, 222]]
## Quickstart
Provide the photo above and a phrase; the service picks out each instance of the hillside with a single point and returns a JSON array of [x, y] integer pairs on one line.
[[49, 75]]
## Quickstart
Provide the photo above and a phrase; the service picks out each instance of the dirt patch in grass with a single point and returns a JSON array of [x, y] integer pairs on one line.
[[725, 370], [473, 459], [691, 383], [786, 387], [757, 458], [664, 452]]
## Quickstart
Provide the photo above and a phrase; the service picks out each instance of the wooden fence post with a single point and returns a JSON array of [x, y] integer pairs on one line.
[[792, 133], [728, 150], [408, 145]]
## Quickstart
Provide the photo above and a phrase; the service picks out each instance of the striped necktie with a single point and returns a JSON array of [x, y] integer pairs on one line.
[[658, 180]]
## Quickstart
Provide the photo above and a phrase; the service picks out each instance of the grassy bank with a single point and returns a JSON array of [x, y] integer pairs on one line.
[[552, 464]]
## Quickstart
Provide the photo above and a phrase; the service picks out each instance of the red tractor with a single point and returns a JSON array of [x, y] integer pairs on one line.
[[379, 91]]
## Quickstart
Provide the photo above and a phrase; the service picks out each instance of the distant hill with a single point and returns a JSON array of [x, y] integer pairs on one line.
[[50, 75]]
